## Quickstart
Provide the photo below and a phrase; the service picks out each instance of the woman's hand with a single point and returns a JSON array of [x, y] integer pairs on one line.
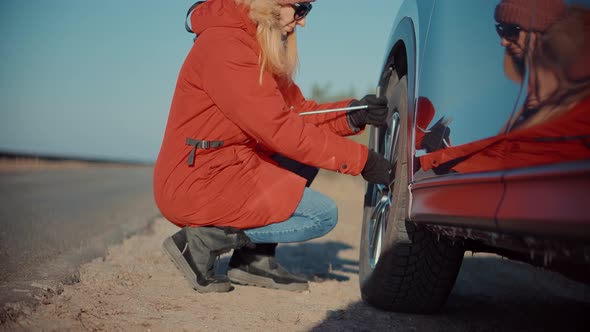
[[437, 137], [378, 170], [375, 114]]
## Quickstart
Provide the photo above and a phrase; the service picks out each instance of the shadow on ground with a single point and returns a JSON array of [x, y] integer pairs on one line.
[[318, 261], [490, 295]]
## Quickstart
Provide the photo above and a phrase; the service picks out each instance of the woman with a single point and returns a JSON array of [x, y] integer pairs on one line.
[[235, 106]]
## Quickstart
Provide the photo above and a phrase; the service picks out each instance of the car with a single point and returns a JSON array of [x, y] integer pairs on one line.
[[507, 166]]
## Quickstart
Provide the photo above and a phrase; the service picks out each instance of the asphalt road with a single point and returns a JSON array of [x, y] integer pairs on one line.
[[53, 220]]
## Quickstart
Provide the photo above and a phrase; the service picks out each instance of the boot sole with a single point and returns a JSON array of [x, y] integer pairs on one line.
[[240, 277], [171, 250]]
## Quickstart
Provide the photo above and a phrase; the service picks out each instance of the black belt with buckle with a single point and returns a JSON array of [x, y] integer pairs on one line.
[[199, 144]]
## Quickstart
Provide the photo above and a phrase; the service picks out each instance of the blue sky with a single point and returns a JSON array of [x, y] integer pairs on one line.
[[95, 79]]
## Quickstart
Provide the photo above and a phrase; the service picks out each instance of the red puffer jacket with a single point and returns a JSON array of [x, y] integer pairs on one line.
[[218, 97]]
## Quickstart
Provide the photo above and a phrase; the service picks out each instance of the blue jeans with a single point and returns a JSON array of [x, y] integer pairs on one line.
[[315, 216]]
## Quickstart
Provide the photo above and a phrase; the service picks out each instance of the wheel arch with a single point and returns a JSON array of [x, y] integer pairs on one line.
[[403, 58]]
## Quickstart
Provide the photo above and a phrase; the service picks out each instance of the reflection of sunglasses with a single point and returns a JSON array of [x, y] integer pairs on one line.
[[508, 31], [301, 10]]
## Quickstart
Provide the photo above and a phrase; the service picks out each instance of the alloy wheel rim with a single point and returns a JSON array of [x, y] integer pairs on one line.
[[381, 194]]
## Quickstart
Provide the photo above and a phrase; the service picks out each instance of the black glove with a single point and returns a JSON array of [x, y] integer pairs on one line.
[[375, 114], [378, 170], [433, 140]]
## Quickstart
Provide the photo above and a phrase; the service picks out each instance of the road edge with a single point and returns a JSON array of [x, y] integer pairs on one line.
[[18, 299]]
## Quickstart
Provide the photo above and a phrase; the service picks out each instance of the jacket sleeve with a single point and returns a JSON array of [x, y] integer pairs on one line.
[[230, 76], [336, 122]]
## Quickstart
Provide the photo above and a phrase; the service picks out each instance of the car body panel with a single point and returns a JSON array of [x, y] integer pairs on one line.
[[463, 199], [551, 200], [462, 70], [418, 12], [429, 202]]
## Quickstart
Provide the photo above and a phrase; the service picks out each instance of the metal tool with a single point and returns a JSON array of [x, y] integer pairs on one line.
[[352, 108]]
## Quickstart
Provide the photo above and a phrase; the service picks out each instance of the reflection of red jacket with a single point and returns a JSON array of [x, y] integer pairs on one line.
[[564, 138], [218, 97], [424, 115]]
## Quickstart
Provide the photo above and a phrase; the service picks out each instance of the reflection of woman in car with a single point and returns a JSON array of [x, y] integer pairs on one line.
[[559, 130], [235, 105], [555, 84], [519, 22], [521, 25]]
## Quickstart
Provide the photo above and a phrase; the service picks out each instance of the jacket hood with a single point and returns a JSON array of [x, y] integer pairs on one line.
[[221, 13]]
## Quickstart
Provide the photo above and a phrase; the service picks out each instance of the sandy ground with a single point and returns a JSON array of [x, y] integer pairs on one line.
[[136, 287]]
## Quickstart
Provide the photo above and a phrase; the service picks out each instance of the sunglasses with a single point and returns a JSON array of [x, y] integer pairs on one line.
[[301, 10], [508, 31]]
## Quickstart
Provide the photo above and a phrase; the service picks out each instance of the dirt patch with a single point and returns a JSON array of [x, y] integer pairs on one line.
[[136, 287]]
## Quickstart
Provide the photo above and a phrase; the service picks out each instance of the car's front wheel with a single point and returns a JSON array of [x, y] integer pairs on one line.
[[403, 266]]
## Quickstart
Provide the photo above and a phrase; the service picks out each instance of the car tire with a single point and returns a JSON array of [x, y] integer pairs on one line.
[[403, 267]]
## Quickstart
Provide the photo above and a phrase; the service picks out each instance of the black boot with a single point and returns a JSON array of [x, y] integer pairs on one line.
[[194, 250], [258, 267]]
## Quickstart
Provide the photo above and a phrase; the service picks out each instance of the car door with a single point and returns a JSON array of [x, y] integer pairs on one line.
[[469, 85], [547, 145]]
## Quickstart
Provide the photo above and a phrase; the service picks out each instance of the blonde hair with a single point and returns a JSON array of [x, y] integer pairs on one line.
[[278, 55], [558, 49]]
